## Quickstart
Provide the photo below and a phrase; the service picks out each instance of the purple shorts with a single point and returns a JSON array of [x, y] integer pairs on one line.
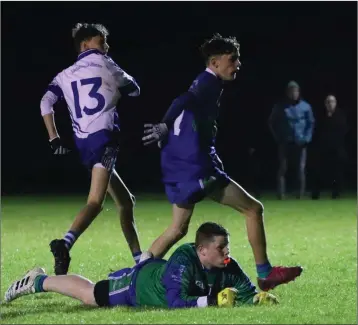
[[116, 290], [101, 147], [191, 192]]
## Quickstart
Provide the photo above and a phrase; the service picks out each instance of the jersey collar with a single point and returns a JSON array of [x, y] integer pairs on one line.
[[210, 71], [88, 52]]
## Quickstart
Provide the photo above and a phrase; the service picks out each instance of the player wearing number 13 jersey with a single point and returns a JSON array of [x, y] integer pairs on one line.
[[91, 88]]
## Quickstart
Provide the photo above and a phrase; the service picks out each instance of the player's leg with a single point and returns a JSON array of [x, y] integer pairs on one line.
[[282, 169], [99, 185], [74, 286], [105, 293], [124, 202], [37, 281], [60, 248], [234, 196], [177, 230]]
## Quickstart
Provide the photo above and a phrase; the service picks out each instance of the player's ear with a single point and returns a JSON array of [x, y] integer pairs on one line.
[[85, 45], [214, 61], [201, 250]]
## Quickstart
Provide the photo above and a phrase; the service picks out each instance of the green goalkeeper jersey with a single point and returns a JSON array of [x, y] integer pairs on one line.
[[182, 281]]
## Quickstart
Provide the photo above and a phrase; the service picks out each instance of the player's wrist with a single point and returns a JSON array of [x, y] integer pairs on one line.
[[212, 300], [53, 138], [163, 127], [203, 301]]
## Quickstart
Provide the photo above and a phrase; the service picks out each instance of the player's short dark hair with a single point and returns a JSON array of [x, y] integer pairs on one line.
[[207, 231], [84, 32], [219, 45]]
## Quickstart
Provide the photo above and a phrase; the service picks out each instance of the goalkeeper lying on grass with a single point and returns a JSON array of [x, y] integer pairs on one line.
[[196, 275]]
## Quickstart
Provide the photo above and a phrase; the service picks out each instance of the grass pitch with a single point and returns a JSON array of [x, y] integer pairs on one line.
[[319, 235]]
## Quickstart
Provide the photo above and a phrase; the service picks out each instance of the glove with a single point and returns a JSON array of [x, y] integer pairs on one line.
[[154, 133], [226, 297], [265, 298], [58, 148]]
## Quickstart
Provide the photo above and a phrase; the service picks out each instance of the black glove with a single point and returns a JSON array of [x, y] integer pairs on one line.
[[154, 133], [58, 148]]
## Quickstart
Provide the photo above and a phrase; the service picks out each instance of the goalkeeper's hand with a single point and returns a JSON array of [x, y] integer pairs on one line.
[[58, 148], [154, 133], [265, 298], [225, 298]]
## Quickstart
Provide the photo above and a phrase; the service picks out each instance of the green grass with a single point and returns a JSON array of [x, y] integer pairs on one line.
[[319, 235]]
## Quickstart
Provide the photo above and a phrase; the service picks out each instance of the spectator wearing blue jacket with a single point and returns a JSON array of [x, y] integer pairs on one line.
[[291, 123]]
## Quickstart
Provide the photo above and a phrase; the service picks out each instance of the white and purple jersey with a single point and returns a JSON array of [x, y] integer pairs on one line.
[[91, 87]]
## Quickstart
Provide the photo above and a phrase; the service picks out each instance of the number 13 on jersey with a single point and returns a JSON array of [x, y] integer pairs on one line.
[[96, 83]]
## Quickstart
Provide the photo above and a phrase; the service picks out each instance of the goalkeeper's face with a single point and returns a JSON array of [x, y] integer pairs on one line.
[[214, 253]]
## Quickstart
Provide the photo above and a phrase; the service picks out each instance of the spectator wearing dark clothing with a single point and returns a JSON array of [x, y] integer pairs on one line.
[[330, 155], [291, 123]]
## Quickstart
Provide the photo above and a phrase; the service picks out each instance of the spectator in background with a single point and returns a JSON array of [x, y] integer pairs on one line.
[[291, 123], [329, 149]]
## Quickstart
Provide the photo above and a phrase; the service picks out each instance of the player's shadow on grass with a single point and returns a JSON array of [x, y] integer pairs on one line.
[[143, 309], [49, 307], [46, 308]]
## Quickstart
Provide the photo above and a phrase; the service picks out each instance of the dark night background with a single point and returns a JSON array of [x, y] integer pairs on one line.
[[314, 43]]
